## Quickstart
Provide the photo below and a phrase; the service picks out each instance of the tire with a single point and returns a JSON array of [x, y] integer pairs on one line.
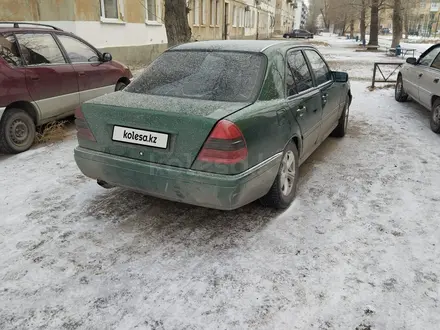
[[341, 129], [283, 190], [435, 117], [399, 93], [17, 131], [120, 86]]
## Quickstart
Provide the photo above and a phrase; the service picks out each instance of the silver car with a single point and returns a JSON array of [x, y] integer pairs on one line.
[[420, 79]]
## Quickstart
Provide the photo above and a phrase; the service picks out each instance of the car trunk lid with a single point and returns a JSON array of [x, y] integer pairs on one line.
[[158, 129]]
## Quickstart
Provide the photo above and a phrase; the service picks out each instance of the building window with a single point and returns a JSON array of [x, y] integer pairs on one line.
[[234, 16], [110, 10], [196, 12], [253, 19], [213, 9], [153, 11]]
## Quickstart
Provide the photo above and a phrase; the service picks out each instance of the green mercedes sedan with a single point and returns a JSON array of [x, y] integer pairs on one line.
[[217, 124]]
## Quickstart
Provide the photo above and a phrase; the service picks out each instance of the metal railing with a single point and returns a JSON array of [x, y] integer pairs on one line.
[[387, 78]]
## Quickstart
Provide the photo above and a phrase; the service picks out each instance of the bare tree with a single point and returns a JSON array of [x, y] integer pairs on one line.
[[176, 22], [411, 12], [397, 23], [374, 25], [363, 18]]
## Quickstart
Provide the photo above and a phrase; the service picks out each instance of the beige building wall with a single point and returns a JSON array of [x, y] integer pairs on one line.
[[133, 37], [229, 19]]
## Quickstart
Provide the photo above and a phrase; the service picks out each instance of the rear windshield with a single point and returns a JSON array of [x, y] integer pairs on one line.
[[205, 75]]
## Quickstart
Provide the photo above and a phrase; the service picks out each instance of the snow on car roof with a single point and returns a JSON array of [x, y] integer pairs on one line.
[[256, 46]]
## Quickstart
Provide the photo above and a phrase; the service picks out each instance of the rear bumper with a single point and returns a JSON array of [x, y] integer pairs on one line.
[[224, 192]]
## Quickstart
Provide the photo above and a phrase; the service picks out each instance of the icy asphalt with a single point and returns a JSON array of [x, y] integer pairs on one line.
[[359, 248]]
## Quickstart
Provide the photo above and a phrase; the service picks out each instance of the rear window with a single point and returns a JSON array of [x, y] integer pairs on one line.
[[205, 75]]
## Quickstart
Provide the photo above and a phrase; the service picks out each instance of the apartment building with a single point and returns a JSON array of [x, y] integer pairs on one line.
[[298, 14], [220, 19], [284, 15], [131, 30]]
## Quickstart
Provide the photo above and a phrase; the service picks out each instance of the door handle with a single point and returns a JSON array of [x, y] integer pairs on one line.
[[81, 73], [420, 75], [436, 80], [301, 110], [35, 78]]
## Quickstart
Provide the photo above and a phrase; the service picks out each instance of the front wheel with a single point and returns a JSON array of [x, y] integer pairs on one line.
[[435, 117], [399, 93], [17, 131], [283, 190]]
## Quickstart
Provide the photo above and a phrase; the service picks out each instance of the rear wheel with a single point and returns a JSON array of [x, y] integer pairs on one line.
[[17, 131], [120, 86], [283, 190], [435, 117], [399, 93]]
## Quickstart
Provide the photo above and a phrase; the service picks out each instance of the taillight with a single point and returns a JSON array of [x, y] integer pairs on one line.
[[225, 145], [82, 129]]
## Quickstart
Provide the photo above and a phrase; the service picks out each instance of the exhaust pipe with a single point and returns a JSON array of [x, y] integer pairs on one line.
[[104, 184]]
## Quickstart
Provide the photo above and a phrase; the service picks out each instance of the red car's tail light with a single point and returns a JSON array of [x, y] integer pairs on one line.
[[82, 129], [225, 145]]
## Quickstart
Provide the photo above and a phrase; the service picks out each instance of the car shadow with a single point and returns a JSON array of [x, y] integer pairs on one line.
[[157, 218]]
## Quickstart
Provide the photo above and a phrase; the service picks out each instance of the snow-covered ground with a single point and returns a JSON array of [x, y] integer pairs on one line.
[[358, 249]]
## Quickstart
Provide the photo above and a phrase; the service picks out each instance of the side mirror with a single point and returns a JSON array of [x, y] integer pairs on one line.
[[106, 57], [340, 77], [411, 60]]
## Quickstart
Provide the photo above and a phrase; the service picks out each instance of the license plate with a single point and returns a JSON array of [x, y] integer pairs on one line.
[[141, 137]]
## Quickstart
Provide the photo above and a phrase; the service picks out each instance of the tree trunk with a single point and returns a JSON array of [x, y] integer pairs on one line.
[[374, 25], [176, 22], [352, 29], [363, 19], [397, 23], [406, 23], [325, 19]]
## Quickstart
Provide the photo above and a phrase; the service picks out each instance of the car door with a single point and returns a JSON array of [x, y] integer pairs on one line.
[[95, 77], [303, 101], [429, 76], [50, 79], [330, 92], [410, 80]]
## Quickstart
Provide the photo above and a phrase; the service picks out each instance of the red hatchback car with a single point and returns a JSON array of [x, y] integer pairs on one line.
[[45, 74]]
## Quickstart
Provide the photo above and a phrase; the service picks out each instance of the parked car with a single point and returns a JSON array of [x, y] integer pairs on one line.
[[298, 34], [420, 79], [45, 74], [217, 124]]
